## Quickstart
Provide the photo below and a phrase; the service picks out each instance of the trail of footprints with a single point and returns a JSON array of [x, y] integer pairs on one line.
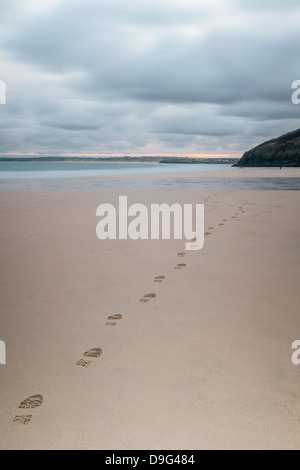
[[223, 222], [89, 356]]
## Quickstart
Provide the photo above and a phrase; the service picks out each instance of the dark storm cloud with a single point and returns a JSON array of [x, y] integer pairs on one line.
[[144, 76]]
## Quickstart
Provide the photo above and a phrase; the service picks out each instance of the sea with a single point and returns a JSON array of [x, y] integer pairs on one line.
[[39, 175]]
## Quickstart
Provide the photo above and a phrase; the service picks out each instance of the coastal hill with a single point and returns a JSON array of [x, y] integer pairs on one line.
[[281, 151]]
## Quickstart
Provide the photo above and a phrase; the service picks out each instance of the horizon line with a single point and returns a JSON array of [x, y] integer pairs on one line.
[[189, 155]]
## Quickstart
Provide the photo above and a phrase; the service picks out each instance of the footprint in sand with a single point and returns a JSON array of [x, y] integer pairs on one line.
[[180, 266], [159, 278], [181, 255], [148, 297], [92, 353], [207, 233], [224, 220], [111, 318], [233, 217], [210, 228], [29, 404], [221, 224]]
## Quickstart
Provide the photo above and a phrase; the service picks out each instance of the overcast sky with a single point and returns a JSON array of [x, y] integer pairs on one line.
[[141, 77]]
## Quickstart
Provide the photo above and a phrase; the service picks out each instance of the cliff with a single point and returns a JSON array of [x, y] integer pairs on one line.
[[281, 151]]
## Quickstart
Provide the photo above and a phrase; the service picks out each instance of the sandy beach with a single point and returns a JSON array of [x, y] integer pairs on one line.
[[233, 172], [205, 364]]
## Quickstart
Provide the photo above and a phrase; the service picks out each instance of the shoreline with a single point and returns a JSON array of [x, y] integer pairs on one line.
[[287, 172], [236, 179]]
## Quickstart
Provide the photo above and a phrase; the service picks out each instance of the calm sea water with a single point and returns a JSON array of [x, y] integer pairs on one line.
[[85, 176], [16, 170]]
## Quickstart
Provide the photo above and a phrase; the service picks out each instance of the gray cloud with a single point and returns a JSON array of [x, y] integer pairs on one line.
[[268, 5], [147, 77]]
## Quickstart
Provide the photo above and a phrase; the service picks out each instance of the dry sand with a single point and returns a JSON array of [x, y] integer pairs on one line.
[[204, 364]]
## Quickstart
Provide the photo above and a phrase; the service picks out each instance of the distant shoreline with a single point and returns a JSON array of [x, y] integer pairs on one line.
[[126, 159]]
